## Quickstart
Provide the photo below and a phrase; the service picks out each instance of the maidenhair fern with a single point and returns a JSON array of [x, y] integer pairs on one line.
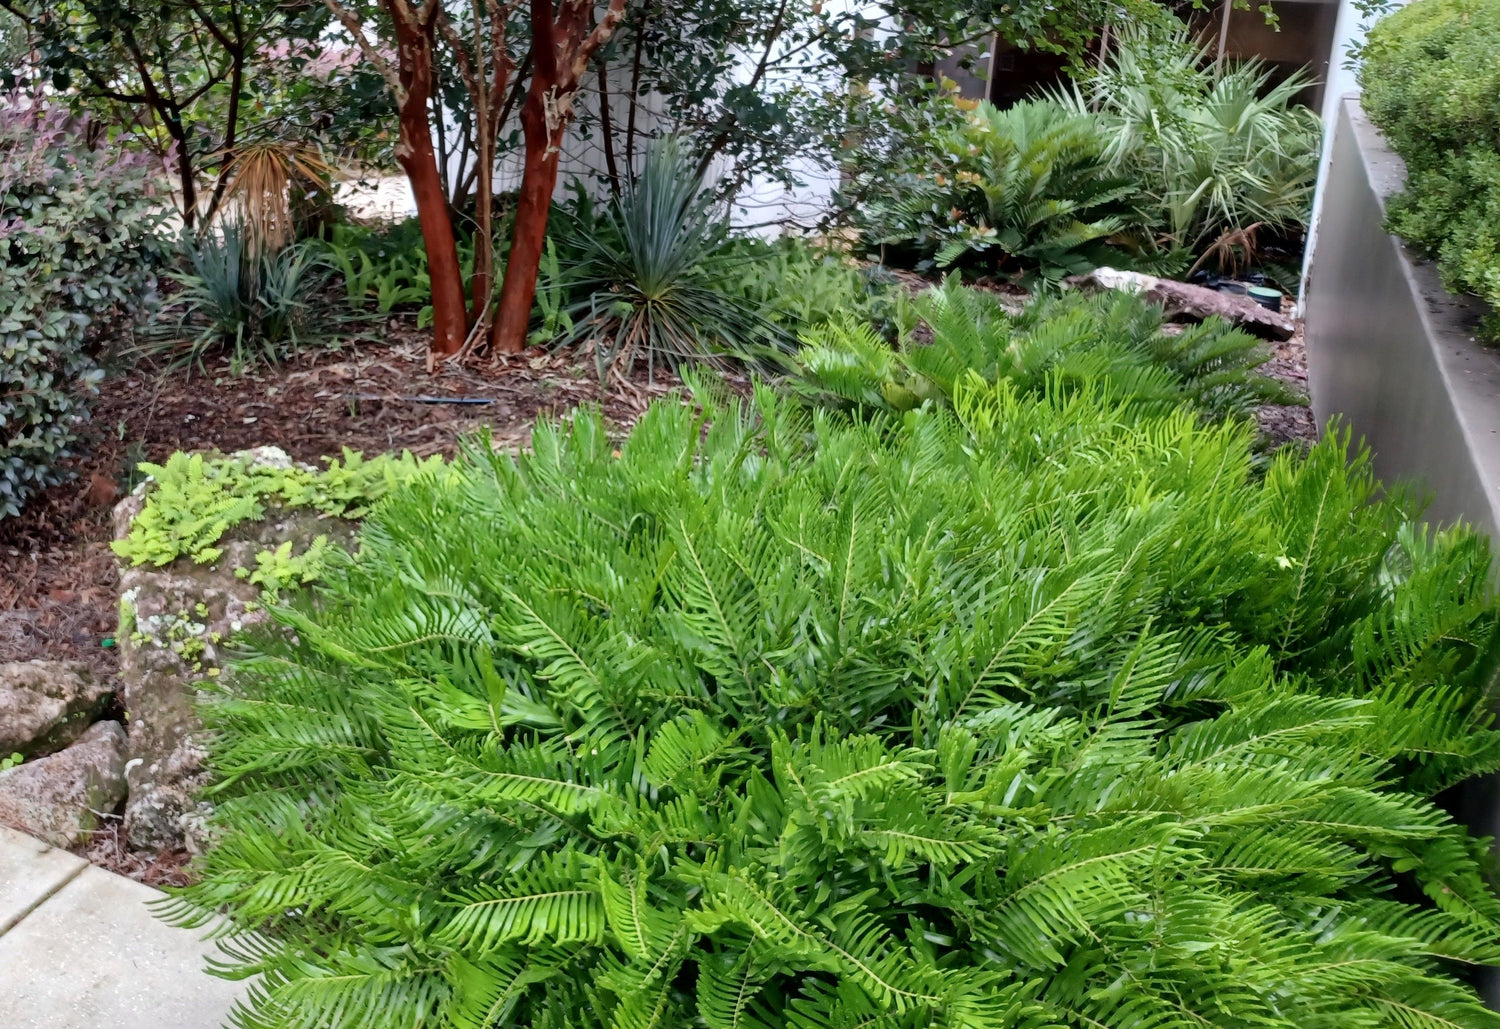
[[1037, 709]]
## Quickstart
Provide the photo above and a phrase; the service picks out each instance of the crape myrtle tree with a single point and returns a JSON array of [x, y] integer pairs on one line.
[[402, 39]]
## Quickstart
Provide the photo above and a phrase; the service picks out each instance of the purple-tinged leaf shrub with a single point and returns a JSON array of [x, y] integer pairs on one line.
[[80, 246]]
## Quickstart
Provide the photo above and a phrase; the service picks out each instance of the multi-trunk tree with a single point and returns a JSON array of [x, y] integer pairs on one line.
[[564, 38]]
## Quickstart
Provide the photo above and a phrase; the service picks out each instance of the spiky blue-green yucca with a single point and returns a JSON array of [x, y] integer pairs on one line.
[[1031, 710]]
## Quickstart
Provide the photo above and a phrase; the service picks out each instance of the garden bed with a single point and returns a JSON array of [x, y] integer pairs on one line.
[[59, 582]]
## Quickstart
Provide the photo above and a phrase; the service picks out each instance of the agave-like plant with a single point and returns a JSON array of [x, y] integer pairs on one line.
[[1221, 152], [238, 298], [649, 277]]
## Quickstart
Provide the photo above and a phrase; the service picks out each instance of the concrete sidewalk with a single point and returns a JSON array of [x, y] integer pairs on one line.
[[80, 950]]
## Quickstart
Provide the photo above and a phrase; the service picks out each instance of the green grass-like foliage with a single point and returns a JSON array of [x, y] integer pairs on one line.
[[1112, 341], [1035, 709], [1431, 81]]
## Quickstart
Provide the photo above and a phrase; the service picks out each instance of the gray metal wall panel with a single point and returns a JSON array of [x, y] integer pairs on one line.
[[1389, 351]]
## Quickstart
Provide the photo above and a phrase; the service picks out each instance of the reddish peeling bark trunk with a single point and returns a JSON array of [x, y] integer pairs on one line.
[[415, 154], [561, 47], [529, 236]]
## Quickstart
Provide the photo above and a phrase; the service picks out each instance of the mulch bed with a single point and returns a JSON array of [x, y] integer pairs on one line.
[[57, 575], [1283, 425]]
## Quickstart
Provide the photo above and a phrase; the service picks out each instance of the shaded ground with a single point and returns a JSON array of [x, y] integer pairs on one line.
[[1289, 424], [57, 575]]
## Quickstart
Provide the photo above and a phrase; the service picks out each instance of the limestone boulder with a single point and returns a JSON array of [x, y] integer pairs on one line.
[[45, 705], [176, 623], [61, 798]]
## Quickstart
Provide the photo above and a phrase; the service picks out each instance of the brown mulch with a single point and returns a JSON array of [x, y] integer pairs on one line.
[[108, 848], [1285, 424]]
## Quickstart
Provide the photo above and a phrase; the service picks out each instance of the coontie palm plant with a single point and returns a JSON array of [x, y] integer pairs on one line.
[[1039, 708], [1024, 191]]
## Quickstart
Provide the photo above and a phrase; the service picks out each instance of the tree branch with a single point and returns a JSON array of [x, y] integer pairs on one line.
[[356, 28]]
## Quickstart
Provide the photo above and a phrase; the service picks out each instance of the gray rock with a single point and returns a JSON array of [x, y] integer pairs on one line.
[[60, 798], [45, 705], [175, 622]]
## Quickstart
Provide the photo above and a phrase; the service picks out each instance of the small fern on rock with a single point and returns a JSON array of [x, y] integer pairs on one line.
[[1042, 707]]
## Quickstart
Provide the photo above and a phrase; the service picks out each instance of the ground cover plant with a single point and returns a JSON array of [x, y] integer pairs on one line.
[[1431, 80], [1039, 707]]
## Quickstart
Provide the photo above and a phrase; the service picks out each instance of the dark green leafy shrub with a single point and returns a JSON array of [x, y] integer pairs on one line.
[[1432, 84], [79, 252], [1025, 191], [1042, 708], [1113, 342]]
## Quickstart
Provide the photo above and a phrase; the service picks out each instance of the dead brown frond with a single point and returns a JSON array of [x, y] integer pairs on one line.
[[260, 177], [1234, 250]]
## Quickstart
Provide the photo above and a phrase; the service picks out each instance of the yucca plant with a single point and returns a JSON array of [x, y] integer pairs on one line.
[[1113, 342], [1025, 191], [236, 298], [1222, 153], [648, 275], [1039, 708]]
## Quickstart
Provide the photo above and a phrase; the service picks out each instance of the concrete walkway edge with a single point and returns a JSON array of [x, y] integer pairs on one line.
[[80, 949]]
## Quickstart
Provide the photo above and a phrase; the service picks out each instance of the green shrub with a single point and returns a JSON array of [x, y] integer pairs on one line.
[[1113, 342], [79, 251], [1042, 708], [1025, 192], [1432, 84], [798, 284], [1225, 159]]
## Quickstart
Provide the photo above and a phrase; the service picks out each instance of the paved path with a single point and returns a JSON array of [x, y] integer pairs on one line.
[[80, 950]]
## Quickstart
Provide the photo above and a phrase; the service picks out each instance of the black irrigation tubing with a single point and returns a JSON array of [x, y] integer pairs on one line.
[[418, 399]]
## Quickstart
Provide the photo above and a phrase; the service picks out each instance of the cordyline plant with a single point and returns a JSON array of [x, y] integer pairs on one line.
[[1039, 709]]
